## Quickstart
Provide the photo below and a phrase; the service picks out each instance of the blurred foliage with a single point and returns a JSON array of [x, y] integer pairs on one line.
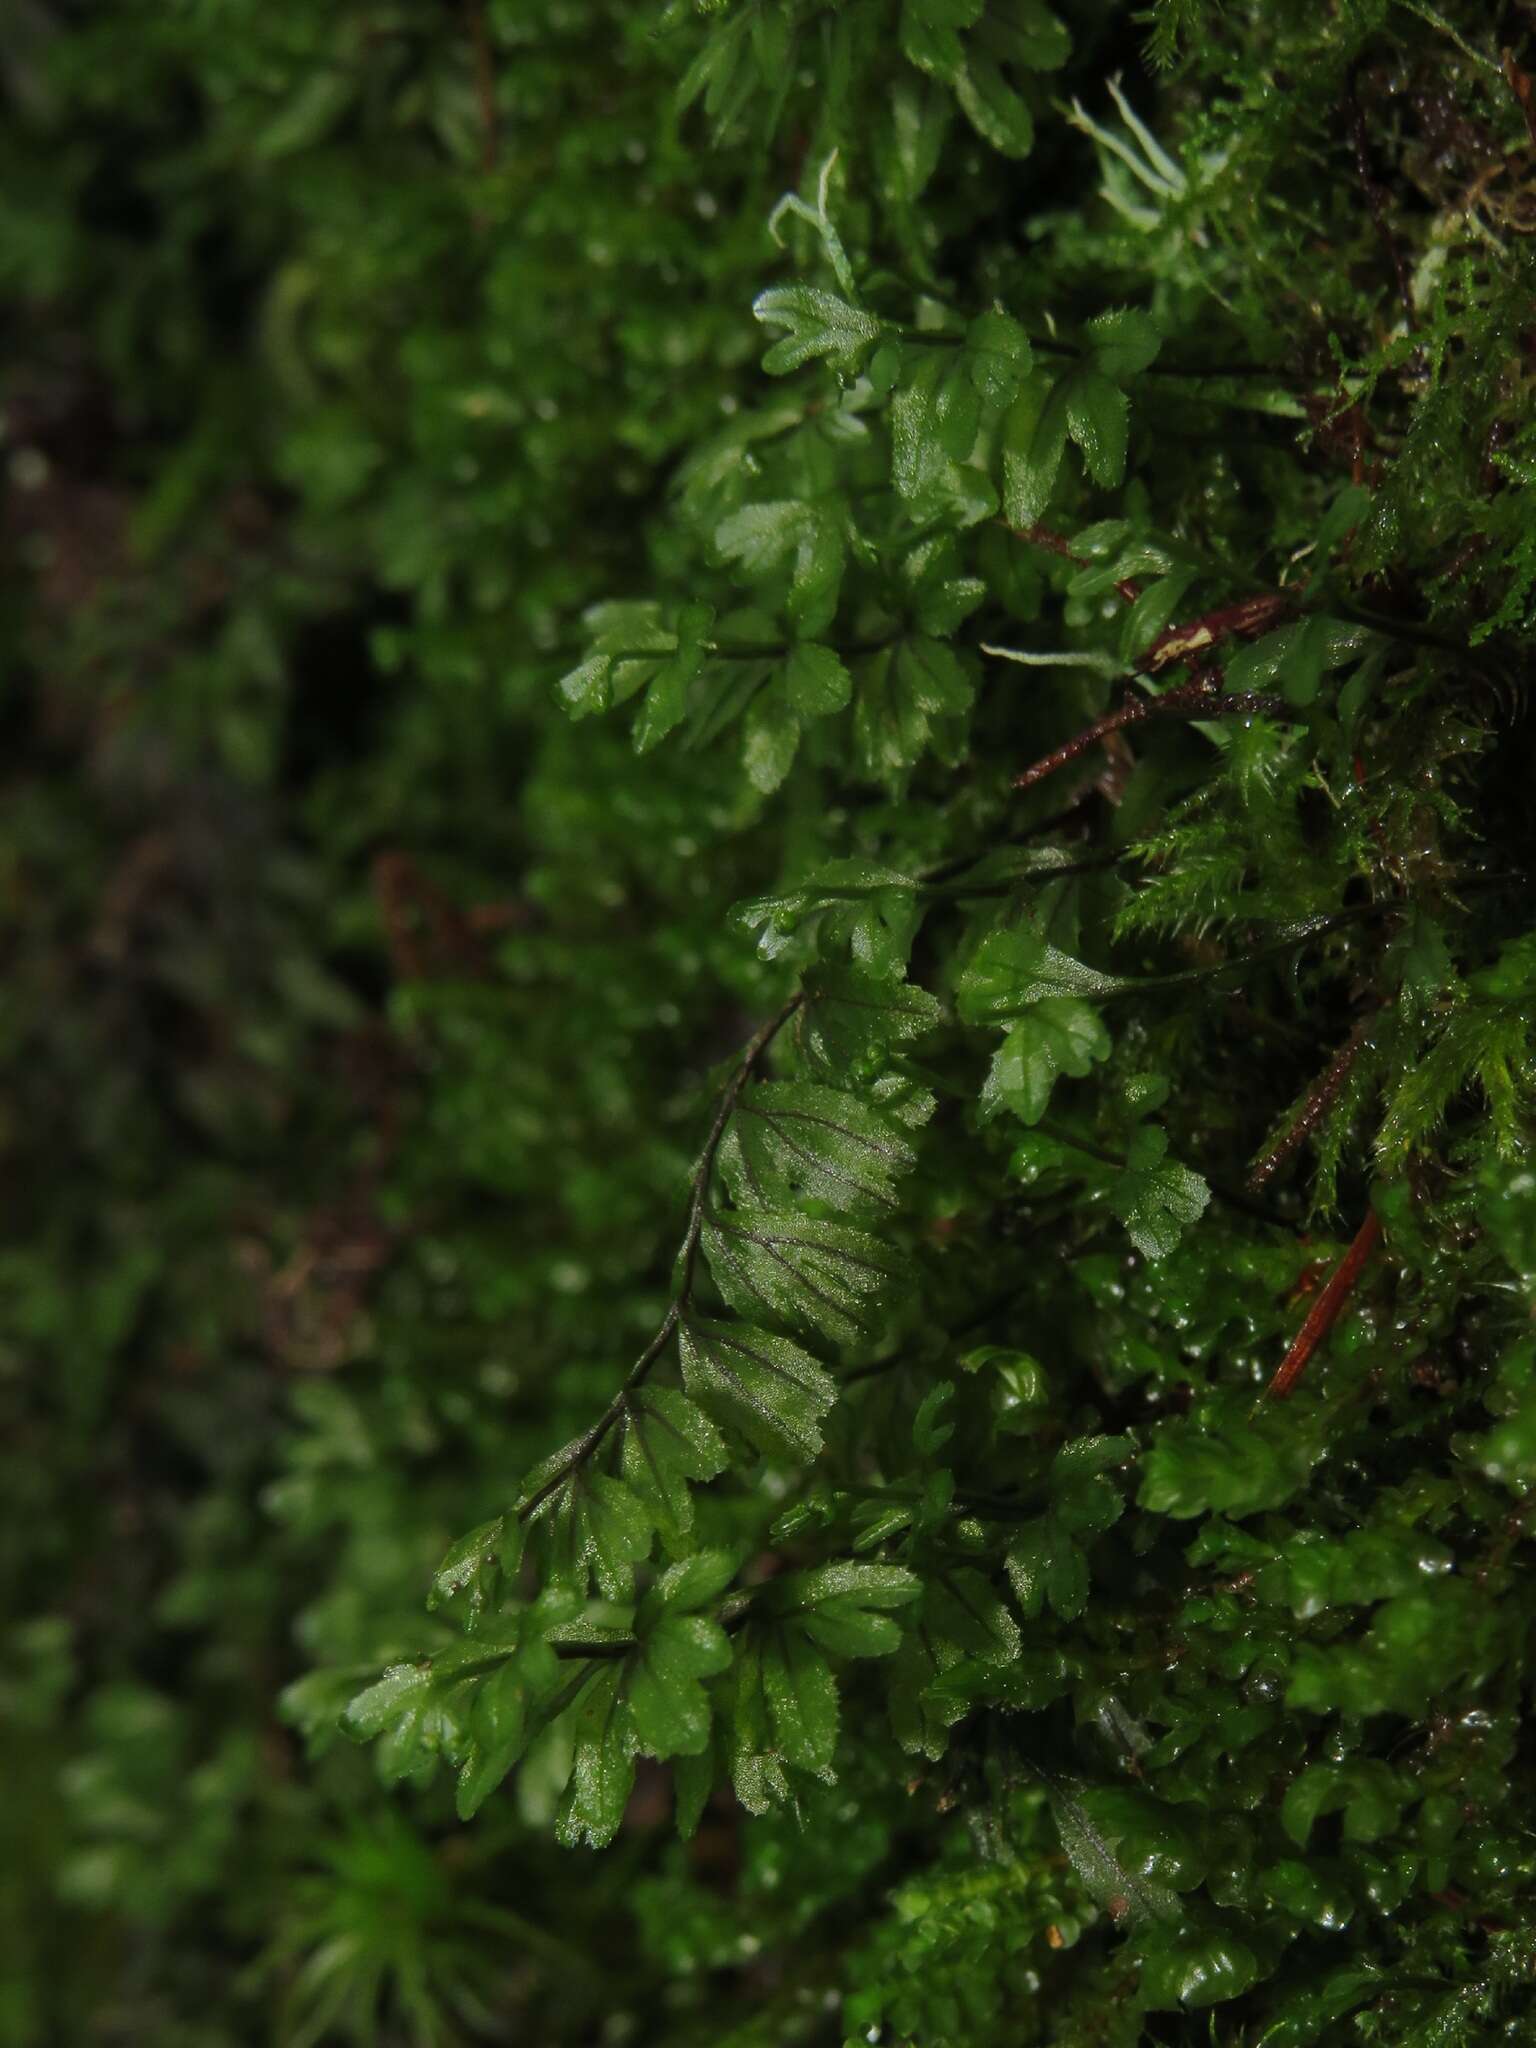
[[788, 740]]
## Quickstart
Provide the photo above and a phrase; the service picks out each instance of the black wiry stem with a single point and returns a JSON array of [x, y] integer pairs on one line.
[[687, 1260]]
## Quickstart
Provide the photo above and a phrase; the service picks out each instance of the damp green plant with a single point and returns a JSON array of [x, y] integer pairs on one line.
[[771, 1024]]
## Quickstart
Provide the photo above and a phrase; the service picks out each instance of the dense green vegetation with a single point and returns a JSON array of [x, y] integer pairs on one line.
[[789, 741]]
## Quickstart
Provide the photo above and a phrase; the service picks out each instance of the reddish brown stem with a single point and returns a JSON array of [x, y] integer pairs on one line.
[[1521, 85], [1315, 1108], [1176, 644], [1190, 700], [1038, 536], [1326, 1310]]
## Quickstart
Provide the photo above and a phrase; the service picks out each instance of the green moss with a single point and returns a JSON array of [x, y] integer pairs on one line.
[[767, 808]]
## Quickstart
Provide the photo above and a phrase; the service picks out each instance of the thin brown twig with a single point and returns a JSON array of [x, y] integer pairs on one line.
[[1192, 643], [1038, 536], [1316, 1106], [1326, 1310], [1176, 643], [1241, 621], [1190, 700], [1524, 90]]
